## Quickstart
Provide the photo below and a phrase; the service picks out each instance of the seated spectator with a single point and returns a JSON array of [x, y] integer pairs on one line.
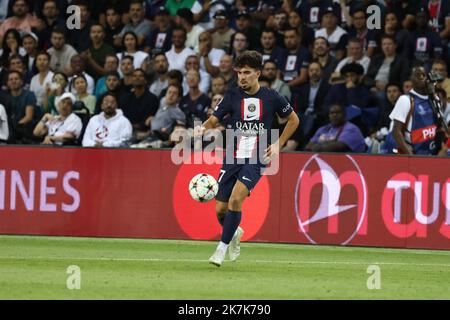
[[221, 33], [307, 34], [55, 90], [440, 67], [269, 48], [130, 45], [407, 86], [12, 45], [61, 53], [178, 54], [227, 71], [22, 20], [195, 103], [30, 44], [337, 136], [126, 70], [278, 22], [352, 92], [111, 65], [204, 11], [160, 38], [387, 68], [113, 27], [321, 54], [4, 125], [193, 63], [50, 19], [239, 43], [244, 25], [161, 67], [218, 86], [24, 114], [393, 28], [311, 109], [270, 71], [393, 92], [185, 18], [112, 86], [138, 24], [16, 63], [139, 106], [41, 81], [355, 54], [78, 67], [80, 85], [109, 128], [78, 37], [95, 55], [310, 11], [209, 56], [359, 31], [64, 128], [336, 36], [174, 77]]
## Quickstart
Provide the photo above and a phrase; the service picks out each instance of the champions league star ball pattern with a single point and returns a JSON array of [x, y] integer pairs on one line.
[[203, 187]]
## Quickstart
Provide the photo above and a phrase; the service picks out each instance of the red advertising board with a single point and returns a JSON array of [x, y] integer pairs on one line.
[[315, 198]]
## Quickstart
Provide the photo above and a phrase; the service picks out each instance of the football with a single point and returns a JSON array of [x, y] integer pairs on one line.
[[203, 187]]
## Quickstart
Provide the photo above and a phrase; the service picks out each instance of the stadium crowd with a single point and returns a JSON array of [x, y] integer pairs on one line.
[[139, 73]]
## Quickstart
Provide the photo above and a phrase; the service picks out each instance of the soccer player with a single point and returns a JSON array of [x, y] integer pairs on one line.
[[251, 111]]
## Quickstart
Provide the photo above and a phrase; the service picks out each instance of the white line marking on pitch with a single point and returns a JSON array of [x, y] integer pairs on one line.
[[243, 261]]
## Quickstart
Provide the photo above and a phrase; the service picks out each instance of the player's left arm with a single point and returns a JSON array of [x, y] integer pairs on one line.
[[291, 125]]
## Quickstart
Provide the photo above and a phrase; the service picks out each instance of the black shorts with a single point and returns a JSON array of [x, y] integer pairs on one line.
[[248, 174]]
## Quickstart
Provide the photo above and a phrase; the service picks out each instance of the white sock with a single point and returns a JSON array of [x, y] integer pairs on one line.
[[222, 246]]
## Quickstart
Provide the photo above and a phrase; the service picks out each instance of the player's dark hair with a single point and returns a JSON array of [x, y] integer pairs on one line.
[[249, 58]]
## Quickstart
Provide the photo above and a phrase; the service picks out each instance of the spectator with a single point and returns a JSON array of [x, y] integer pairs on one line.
[[160, 38], [295, 61], [295, 21], [218, 86], [279, 24], [270, 71], [405, 11], [355, 54], [63, 128], [95, 55], [178, 54], [239, 44], [426, 44], [55, 90], [439, 17], [321, 54], [138, 24], [161, 66], [209, 56], [174, 77], [413, 126], [352, 92], [112, 85], [80, 85], [4, 125], [387, 68], [244, 25], [24, 113], [109, 128], [78, 37], [221, 33], [392, 28], [22, 20], [139, 106], [359, 31], [113, 27], [127, 69], [269, 48], [440, 67], [130, 48], [337, 136], [407, 86], [111, 65], [310, 12], [311, 108], [41, 81], [12, 45], [50, 20], [193, 63], [195, 103], [227, 71], [30, 44], [393, 92], [16, 63], [61, 53], [336, 36], [78, 67], [185, 19], [204, 11]]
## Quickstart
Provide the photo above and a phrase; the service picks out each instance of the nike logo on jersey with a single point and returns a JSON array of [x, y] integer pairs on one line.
[[245, 178]]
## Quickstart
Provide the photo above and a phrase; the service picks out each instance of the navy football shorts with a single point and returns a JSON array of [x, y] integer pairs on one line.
[[248, 174]]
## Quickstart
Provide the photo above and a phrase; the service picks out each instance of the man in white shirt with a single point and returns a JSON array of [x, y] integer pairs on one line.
[[66, 127], [60, 52], [178, 54], [335, 35], [109, 128]]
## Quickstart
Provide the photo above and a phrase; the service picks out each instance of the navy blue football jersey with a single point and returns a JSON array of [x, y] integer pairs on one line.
[[251, 118]]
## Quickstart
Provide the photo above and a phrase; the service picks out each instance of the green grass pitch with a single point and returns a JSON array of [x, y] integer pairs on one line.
[[35, 268]]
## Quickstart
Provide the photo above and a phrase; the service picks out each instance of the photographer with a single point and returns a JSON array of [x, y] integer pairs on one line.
[[415, 123]]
